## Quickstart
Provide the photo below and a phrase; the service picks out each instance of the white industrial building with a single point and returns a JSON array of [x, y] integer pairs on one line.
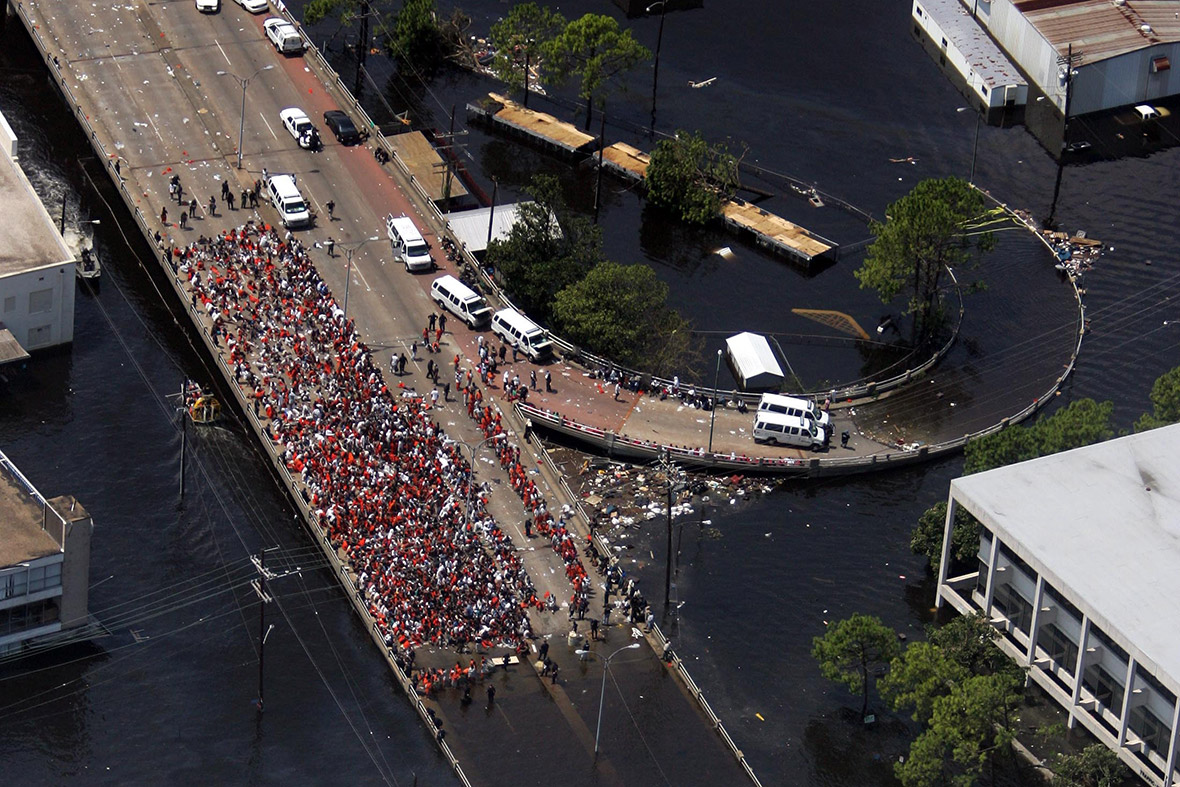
[[1079, 569], [1123, 49], [37, 269]]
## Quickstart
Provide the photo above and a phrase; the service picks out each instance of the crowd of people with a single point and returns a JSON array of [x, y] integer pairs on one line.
[[390, 490]]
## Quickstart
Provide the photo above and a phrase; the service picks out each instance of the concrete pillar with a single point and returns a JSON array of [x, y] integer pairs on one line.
[[944, 564], [75, 569], [1171, 767], [993, 556], [1038, 602], [1079, 668], [1124, 716]]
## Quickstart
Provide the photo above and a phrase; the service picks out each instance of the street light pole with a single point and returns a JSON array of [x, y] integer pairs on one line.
[[245, 83], [655, 78], [474, 451], [602, 691], [348, 252], [975, 146], [713, 414]]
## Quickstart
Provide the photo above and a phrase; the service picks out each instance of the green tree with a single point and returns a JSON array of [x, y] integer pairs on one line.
[[616, 311], [851, 649], [939, 224], [1093, 766], [968, 726], [970, 642], [520, 38], [920, 675], [1165, 402], [593, 50], [1083, 422], [416, 39], [690, 177], [548, 249]]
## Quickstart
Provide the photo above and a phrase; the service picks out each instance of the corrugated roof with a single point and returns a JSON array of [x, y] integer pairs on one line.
[[987, 60], [1100, 29]]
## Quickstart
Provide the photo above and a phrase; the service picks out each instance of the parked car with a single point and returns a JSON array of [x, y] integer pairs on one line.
[[253, 6], [299, 125], [208, 6], [283, 35], [342, 127]]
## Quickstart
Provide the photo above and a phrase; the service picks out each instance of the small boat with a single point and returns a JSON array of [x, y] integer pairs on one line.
[[88, 267], [202, 407]]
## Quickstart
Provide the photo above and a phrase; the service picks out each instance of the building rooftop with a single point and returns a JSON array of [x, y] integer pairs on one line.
[[28, 237], [1101, 29], [986, 59], [21, 515], [1101, 523]]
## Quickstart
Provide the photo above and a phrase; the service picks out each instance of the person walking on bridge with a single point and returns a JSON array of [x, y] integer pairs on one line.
[[212, 205]]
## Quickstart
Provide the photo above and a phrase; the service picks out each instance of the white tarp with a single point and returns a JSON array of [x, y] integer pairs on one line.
[[470, 227], [753, 362]]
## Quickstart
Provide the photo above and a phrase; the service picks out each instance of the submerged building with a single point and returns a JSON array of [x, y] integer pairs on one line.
[[44, 562], [1078, 568]]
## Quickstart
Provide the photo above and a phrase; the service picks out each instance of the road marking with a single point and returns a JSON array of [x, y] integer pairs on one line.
[[223, 54], [268, 128]]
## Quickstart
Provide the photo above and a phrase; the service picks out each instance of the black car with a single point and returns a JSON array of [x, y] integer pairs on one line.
[[342, 127]]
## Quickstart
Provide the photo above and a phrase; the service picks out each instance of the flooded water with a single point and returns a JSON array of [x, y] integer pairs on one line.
[[827, 93]]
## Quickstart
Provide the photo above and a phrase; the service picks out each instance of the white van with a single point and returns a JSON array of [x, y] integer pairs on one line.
[[408, 245], [793, 405], [285, 196], [779, 429], [459, 299], [522, 333]]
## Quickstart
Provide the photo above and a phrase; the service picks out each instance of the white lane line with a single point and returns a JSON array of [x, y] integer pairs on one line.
[[271, 130], [223, 54]]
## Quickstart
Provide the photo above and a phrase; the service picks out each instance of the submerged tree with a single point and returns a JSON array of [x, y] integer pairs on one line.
[[593, 50], [941, 223], [1165, 402], [519, 39], [852, 649], [690, 177], [1093, 766]]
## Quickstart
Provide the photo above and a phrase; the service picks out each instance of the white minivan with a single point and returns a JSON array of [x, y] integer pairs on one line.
[[522, 333], [284, 195], [459, 299], [778, 429], [408, 245], [793, 405]]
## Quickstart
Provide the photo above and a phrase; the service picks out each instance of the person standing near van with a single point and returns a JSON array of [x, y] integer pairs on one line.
[[442, 323], [548, 382]]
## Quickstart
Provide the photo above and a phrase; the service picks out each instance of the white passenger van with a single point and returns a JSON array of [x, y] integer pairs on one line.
[[285, 196], [778, 429], [408, 245], [793, 405], [522, 333], [460, 300]]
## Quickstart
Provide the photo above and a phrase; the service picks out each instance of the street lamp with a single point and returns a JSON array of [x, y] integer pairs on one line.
[[348, 251], [602, 691], [974, 147], [245, 83], [713, 415], [655, 77], [474, 451]]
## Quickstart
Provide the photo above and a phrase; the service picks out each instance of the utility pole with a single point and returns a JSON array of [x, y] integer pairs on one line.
[[601, 145], [675, 483], [448, 149], [362, 47], [183, 435], [492, 212], [259, 586], [1066, 66]]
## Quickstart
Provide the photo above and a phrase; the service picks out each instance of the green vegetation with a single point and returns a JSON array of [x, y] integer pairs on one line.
[[1093, 766], [691, 178], [1165, 402], [1081, 423], [852, 649], [593, 50], [414, 37], [939, 224], [520, 38]]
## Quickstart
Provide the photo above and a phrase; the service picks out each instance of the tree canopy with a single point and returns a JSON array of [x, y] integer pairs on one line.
[[1165, 402], [416, 39], [548, 249], [1093, 766], [690, 177], [521, 37], [593, 49], [940, 223], [920, 675], [617, 310], [851, 649]]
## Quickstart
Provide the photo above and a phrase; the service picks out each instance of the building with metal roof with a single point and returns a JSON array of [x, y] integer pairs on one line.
[[1122, 50], [1078, 568]]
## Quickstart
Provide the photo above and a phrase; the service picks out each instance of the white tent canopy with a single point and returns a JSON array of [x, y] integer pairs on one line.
[[753, 363], [470, 227]]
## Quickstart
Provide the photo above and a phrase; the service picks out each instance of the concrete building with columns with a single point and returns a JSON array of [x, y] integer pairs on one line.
[[1078, 567]]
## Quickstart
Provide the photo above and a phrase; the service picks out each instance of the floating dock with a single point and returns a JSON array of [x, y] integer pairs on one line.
[[546, 129], [426, 166], [627, 162], [776, 232]]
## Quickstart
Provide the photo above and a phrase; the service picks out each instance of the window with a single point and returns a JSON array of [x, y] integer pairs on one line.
[[1014, 606], [981, 580], [44, 577], [1058, 646], [13, 584], [1104, 687], [40, 335], [1153, 732], [10, 304], [918, 10], [40, 301]]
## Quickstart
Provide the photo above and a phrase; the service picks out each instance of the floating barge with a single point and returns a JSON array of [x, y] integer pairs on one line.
[[544, 129], [775, 232], [629, 163]]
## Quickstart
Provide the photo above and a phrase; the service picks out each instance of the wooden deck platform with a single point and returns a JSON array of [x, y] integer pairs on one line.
[[425, 164], [775, 231], [626, 161], [545, 128]]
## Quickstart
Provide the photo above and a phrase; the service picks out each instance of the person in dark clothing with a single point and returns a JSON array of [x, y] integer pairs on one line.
[[491, 696]]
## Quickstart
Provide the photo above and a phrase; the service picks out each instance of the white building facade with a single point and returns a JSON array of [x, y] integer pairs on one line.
[[1078, 567]]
